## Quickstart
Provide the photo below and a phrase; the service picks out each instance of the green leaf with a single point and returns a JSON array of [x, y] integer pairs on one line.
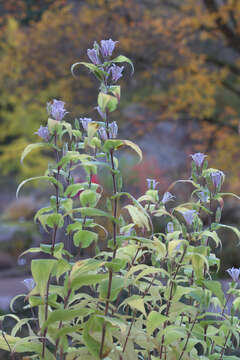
[[67, 204], [174, 334], [122, 58], [31, 147], [68, 128], [229, 194], [41, 270], [93, 68], [139, 218], [112, 144], [92, 129], [51, 179], [85, 238], [93, 346], [232, 228], [88, 280], [135, 147], [106, 101], [216, 288], [117, 286], [54, 126], [136, 302], [73, 189], [23, 345], [116, 264], [154, 321], [55, 220], [88, 198], [58, 249], [66, 315], [213, 235], [116, 91], [62, 267], [86, 211]]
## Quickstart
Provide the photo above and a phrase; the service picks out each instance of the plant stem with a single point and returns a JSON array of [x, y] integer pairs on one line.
[[170, 297], [57, 196], [134, 313], [114, 240], [60, 324], [45, 317], [188, 337], [224, 346]]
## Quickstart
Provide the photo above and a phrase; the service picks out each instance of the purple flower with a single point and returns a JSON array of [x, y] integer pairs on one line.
[[151, 183], [113, 130], [234, 273], [217, 178], [29, 283], [203, 196], [198, 158], [107, 47], [170, 227], [56, 109], [189, 216], [43, 133], [93, 56], [116, 72], [101, 113], [103, 133], [85, 122], [167, 197]]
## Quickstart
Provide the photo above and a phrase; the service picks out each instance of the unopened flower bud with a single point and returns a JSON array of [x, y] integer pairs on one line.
[[217, 178], [151, 183], [85, 122], [43, 133], [101, 113], [107, 47], [170, 227], [102, 133], [113, 130]]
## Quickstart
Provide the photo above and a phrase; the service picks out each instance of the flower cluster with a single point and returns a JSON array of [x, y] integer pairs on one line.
[[106, 49], [56, 109]]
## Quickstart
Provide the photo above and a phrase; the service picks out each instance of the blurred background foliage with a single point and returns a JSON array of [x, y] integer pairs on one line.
[[186, 55]]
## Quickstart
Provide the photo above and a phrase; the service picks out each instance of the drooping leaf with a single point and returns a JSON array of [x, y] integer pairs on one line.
[[122, 58], [51, 179], [31, 147]]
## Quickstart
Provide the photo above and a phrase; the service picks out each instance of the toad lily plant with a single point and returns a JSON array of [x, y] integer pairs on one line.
[[142, 294]]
